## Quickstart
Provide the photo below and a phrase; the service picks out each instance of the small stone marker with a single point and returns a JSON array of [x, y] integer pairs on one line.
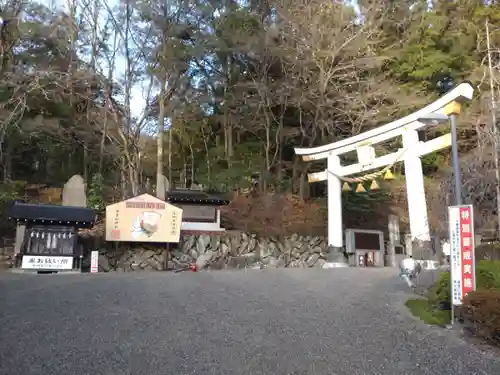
[[74, 192], [147, 186], [394, 239], [195, 186], [162, 188], [166, 183]]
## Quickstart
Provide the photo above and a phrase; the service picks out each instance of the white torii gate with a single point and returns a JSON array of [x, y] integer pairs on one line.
[[411, 152]]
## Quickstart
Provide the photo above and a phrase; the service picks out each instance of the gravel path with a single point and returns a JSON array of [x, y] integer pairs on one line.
[[272, 322]]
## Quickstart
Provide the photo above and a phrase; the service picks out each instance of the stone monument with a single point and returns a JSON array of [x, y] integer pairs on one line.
[[166, 183], [73, 193], [162, 186], [147, 186], [195, 186], [394, 241]]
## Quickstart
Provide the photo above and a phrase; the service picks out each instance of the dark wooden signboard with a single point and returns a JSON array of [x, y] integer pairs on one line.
[[197, 213]]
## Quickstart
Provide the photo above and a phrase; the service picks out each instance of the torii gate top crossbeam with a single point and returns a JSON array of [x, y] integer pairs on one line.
[[463, 91]]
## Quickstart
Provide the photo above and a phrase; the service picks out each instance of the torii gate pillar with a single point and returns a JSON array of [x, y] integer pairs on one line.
[[417, 203], [335, 254]]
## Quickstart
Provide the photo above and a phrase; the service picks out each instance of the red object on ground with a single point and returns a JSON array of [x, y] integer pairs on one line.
[[193, 267]]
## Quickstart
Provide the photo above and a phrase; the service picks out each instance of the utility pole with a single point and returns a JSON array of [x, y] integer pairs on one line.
[[494, 125]]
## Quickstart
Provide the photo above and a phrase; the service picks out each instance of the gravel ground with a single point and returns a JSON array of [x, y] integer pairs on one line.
[[341, 321]]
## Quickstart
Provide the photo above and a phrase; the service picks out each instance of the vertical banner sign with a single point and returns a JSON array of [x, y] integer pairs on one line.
[[455, 263], [94, 262], [462, 267], [467, 250]]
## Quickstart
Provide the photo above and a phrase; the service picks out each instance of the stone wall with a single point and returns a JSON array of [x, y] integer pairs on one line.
[[230, 250]]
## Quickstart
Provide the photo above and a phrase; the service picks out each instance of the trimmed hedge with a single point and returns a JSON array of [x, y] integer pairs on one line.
[[488, 274], [487, 277], [481, 310]]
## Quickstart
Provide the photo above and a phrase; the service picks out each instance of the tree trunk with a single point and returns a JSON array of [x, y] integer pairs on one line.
[[170, 154], [123, 180], [160, 180], [85, 165], [192, 163], [494, 128]]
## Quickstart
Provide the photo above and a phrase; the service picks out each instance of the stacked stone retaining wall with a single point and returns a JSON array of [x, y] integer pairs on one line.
[[230, 250]]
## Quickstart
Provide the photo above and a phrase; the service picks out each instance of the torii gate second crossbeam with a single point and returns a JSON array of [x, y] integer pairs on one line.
[[411, 152]]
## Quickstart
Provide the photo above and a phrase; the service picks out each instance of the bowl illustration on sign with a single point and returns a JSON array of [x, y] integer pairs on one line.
[[146, 223]]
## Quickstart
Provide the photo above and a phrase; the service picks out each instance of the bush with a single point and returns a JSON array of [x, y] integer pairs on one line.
[[487, 277], [481, 310], [488, 274], [274, 215], [441, 290]]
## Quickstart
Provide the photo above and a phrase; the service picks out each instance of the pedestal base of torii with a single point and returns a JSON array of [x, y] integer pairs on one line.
[[335, 258]]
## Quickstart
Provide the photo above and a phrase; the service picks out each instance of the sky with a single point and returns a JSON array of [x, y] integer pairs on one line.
[[354, 3]]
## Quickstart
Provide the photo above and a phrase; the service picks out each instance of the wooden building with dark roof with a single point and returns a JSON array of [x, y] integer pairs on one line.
[[201, 210]]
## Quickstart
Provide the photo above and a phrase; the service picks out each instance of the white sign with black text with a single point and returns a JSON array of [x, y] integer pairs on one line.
[[38, 262]]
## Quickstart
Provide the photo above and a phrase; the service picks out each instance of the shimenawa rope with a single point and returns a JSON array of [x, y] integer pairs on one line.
[[370, 176]]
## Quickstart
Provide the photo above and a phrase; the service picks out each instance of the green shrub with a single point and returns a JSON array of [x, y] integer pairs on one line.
[[440, 291], [488, 274], [481, 310], [487, 277], [10, 191]]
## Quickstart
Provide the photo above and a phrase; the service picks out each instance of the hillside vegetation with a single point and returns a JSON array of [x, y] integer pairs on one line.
[[220, 92]]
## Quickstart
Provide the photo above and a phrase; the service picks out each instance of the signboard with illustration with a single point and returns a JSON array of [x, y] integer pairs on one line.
[[143, 219]]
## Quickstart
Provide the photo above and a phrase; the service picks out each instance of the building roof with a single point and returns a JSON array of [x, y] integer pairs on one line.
[[52, 214], [194, 196]]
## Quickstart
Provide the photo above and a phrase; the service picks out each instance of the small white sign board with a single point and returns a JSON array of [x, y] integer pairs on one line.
[[94, 262], [39, 262]]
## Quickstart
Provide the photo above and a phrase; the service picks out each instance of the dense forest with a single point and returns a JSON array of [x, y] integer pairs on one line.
[[219, 92]]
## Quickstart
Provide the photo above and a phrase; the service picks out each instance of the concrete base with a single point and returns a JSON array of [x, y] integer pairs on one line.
[[428, 264], [335, 258], [35, 272], [334, 265]]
